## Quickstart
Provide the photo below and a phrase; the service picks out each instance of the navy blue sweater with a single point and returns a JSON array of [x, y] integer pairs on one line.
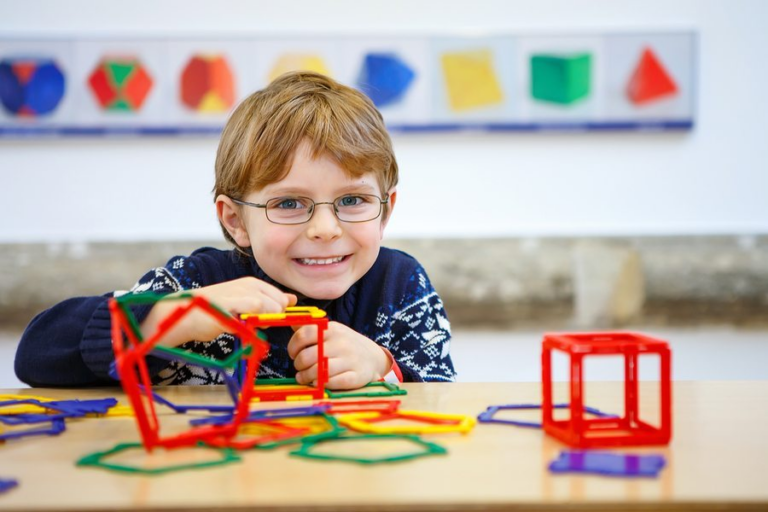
[[393, 304]]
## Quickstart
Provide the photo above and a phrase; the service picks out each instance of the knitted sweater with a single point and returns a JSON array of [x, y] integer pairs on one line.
[[393, 304]]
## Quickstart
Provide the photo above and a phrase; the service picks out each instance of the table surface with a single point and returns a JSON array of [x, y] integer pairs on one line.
[[718, 459]]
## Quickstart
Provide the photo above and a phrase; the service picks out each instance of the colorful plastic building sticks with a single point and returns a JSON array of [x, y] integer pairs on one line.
[[251, 435], [425, 448], [292, 316], [608, 463], [97, 460], [487, 416], [428, 422], [389, 390], [131, 351], [627, 430], [263, 415], [319, 427], [6, 484], [60, 412], [25, 408], [56, 428], [381, 406]]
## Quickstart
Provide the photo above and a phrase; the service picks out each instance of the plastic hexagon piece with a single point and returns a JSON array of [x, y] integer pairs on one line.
[[423, 449], [423, 422], [385, 78], [30, 87], [97, 459], [120, 84], [207, 84]]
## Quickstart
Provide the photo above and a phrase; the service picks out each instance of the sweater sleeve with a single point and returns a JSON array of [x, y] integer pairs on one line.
[[417, 332], [70, 344]]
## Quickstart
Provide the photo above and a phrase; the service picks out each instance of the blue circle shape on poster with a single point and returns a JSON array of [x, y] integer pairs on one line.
[[30, 87], [385, 78]]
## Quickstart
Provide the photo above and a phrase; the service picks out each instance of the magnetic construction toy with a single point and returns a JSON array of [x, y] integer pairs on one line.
[[627, 430]]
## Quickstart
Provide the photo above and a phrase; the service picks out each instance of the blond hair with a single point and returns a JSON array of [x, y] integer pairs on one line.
[[259, 140]]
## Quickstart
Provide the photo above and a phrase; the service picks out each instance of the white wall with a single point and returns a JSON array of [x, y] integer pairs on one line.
[[712, 180]]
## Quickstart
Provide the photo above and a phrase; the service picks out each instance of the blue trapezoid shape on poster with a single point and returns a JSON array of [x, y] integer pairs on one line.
[[385, 78]]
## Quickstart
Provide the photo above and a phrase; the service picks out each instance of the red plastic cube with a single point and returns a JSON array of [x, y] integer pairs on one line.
[[628, 430]]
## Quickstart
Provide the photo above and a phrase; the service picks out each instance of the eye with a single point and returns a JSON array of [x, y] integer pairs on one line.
[[352, 201], [288, 203]]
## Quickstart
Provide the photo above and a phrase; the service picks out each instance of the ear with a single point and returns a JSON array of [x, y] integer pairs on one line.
[[230, 216], [391, 204]]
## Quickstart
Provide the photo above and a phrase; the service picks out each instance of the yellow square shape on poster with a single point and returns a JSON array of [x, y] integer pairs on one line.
[[471, 79], [298, 62]]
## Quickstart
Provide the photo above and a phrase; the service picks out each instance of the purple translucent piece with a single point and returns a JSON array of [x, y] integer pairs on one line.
[[608, 463], [6, 484], [487, 416]]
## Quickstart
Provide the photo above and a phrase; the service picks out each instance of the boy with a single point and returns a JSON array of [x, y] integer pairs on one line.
[[305, 185]]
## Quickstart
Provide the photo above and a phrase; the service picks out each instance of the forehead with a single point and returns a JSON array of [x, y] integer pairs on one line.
[[321, 174]]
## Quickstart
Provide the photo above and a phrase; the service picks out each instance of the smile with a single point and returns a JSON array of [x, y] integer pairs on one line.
[[321, 261]]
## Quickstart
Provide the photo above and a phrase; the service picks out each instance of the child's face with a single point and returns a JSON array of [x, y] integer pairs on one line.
[[297, 255]]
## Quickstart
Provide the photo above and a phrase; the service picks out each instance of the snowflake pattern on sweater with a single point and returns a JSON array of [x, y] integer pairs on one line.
[[415, 329]]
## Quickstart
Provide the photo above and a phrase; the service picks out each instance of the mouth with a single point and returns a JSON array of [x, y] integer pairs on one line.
[[311, 262]]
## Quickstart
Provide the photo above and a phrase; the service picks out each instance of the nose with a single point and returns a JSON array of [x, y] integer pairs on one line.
[[324, 225]]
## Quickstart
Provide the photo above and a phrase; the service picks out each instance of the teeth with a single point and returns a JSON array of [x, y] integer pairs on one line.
[[327, 261]]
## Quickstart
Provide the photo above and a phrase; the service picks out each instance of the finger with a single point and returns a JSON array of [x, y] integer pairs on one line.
[[345, 380], [257, 287], [302, 338], [305, 359], [336, 367]]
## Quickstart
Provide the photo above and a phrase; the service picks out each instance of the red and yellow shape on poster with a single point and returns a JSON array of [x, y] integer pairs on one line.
[[298, 62], [207, 84], [471, 80], [650, 80], [120, 84]]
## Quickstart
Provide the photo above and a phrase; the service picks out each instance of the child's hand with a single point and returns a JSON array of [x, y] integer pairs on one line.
[[353, 359], [244, 295]]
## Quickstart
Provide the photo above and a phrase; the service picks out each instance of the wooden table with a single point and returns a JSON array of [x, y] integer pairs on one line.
[[718, 460]]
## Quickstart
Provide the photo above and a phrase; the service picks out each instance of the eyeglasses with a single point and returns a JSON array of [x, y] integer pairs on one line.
[[298, 210]]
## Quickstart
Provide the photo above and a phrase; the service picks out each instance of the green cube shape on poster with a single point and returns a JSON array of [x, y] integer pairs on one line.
[[560, 79]]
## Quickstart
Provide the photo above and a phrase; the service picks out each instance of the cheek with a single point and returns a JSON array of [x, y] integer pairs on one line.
[[270, 242]]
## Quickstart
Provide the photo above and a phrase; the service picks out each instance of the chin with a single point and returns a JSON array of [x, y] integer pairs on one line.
[[325, 292]]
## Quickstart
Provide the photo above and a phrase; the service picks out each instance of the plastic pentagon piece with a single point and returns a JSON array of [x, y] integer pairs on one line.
[[6, 484], [385, 78], [30, 87], [430, 422], [426, 448], [97, 460], [389, 390], [627, 430], [487, 416], [608, 463]]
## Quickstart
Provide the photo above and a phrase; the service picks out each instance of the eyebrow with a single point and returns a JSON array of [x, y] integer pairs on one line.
[[363, 188]]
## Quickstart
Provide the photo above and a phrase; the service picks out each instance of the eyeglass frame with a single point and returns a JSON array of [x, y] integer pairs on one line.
[[382, 201]]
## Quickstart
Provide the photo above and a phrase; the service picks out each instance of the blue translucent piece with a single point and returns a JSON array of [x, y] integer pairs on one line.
[[384, 78], [265, 414], [56, 428], [608, 463], [6, 484], [40, 95], [487, 416]]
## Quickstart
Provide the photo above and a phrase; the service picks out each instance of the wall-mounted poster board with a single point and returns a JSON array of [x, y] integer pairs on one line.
[[146, 86]]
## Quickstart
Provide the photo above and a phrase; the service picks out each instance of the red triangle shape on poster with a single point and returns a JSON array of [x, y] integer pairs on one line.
[[650, 81]]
